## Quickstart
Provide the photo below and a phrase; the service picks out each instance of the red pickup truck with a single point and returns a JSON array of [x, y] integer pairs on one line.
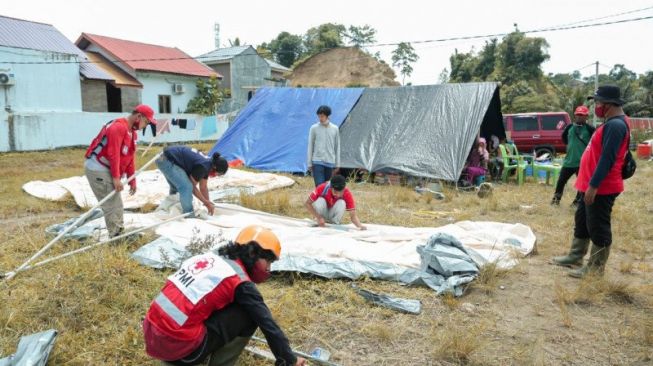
[[537, 132]]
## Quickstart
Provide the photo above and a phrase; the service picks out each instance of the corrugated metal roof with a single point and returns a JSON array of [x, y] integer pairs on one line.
[[277, 66], [25, 34], [222, 54], [121, 78], [149, 57]]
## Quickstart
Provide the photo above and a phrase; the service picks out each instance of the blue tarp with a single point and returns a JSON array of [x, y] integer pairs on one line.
[[271, 132]]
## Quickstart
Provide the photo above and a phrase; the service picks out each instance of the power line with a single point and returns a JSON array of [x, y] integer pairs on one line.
[[605, 17], [541, 30], [199, 58]]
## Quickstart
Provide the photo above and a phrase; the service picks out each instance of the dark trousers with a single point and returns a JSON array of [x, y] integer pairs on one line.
[[222, 327], [321, 173], [593, 221], [565, 174]]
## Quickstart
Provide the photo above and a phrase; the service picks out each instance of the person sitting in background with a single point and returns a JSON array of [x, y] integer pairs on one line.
[[329, 200], [482, 149], [473, 166]]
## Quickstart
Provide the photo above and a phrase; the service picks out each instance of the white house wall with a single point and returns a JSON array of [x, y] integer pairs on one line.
[[155, 84], [49, 130], [41, 87]]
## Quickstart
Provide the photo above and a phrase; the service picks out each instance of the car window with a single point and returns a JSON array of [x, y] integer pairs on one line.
[[556, 122], [524, 123]]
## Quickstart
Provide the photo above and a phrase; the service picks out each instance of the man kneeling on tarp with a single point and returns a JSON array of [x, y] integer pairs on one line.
[[211, 305], [329, 200]]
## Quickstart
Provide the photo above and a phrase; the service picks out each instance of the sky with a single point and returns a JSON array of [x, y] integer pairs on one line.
[[189, 26]]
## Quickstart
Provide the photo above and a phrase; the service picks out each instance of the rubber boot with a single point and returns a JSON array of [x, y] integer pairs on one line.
[[577, 199], [555, 201], [576, 253], [595, 264], [229, 353]]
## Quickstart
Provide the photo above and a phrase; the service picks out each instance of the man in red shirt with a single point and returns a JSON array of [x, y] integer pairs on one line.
[[600, 181], [329, 200], [109, 157]]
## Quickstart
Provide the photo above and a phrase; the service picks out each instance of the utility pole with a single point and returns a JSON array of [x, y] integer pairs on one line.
[[596, 87], [216, 30]]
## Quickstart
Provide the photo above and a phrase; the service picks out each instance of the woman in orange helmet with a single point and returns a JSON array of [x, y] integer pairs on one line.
[[211, 305]]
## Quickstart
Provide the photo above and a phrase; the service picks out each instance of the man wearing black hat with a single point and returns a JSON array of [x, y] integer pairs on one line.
[[600, 181], [329, 200]]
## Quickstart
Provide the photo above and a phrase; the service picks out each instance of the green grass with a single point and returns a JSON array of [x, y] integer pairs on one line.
[[97, 299]]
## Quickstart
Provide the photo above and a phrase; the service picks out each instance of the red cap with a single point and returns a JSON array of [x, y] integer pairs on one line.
[[146, 111], [581, 110]]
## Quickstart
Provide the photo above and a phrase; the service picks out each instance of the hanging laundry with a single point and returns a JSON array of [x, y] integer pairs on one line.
[[175, 122], [209, 126], [182, 122], [190, 124], [163, 126], [152, 127]]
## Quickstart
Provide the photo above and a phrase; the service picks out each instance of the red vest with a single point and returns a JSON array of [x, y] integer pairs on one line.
[[174, 324], [114, 147], [613, 183]]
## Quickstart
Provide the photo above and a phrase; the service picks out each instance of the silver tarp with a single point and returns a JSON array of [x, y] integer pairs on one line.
[[445, 264], [423, 131], [33, 350]]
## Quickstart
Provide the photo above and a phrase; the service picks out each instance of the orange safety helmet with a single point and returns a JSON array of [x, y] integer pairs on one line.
[[265, 238]]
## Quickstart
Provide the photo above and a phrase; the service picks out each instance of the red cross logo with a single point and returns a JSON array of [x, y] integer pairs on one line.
[[201, 264]]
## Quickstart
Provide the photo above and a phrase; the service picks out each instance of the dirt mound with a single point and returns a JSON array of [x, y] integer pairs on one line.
[[342, 67]]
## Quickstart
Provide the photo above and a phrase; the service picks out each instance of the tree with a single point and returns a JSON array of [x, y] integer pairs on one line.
[[443, 78], [462, 66], [208, 98], [402, 57], [520, 57], [359, 36], [286, 48], [324, 36], [235, 42]]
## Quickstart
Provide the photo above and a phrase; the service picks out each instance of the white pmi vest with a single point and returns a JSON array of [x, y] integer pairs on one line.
[[200, 275]]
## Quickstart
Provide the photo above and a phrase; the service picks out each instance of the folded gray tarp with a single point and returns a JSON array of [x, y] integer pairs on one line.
[[33, 350]]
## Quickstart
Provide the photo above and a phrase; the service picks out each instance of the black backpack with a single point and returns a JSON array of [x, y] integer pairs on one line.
[[629, 167]]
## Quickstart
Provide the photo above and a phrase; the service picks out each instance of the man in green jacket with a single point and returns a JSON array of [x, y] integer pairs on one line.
[[576, 136]]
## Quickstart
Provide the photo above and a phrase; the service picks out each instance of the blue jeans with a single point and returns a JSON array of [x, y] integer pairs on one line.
[[178, 181], [321, 173]]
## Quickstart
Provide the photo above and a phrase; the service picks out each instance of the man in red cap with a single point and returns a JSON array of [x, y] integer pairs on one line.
[[576, 136], [111, 156]]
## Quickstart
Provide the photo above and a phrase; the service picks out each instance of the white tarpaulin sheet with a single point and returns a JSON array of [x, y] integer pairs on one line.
[[153, 187], [385, 252]]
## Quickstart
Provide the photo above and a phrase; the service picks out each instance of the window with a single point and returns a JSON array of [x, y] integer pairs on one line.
[[552, 122], [164, 104], [524, 123]]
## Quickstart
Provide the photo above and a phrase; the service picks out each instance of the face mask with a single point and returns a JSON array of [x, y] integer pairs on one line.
[[259, 272], [600, 110]]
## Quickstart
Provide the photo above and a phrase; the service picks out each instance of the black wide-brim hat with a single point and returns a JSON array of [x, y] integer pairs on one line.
[[607, 94]]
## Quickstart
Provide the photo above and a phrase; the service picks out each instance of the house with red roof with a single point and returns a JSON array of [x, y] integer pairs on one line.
[[162, 77]]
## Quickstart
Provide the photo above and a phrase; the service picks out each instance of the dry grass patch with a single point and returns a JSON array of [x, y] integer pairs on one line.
[[456, 342], [489, 277], [277, 202]]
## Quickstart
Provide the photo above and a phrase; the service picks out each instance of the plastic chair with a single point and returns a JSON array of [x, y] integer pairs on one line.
[[552, 171], [512, 162]]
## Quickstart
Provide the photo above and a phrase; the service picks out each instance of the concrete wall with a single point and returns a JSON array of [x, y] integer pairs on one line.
[[155, 84], [130, 98], [247, 70], [41, 87], [94, 96], [224, 70], [27, 131]]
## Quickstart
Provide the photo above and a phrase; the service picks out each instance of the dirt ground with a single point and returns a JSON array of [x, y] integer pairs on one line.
[[533, 314]]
